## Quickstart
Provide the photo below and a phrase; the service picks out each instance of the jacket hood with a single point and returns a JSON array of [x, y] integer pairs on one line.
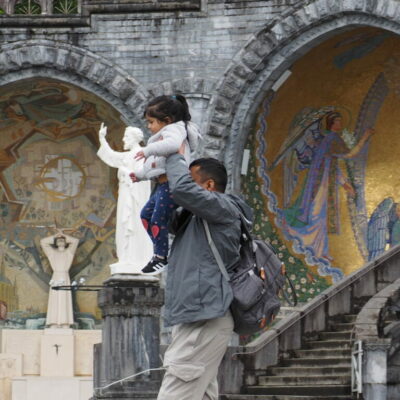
[[244, 208], [193, 133]]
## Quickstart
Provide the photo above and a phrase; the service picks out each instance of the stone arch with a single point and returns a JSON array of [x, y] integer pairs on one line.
[[268, 54], [199, 93], [44, 58]]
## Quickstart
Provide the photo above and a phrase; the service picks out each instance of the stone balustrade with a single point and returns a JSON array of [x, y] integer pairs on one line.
[[40, 7], [11, 8]]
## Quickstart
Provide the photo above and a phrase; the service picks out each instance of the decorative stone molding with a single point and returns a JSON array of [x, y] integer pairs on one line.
[[378, 345], [38, 58], [200, 87], [131, 301], [112, 6], [269, 53]]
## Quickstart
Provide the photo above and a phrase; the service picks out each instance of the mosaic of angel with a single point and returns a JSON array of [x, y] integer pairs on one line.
[[316, 164]]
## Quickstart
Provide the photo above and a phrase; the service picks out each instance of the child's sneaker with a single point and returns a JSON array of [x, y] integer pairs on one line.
[[155, 266]]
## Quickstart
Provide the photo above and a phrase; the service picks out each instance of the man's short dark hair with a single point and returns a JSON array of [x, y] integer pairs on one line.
[[211, 168]]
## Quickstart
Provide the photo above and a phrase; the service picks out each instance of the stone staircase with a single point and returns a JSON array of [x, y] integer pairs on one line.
[[319, 370], [306, 355]]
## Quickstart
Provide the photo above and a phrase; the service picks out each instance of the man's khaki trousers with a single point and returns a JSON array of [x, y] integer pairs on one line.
[[193, 357]]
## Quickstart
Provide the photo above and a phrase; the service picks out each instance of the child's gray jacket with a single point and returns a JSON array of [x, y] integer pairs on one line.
[[165, 142]]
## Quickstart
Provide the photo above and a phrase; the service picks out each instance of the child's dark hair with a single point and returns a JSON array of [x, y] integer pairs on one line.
[[175, 108], [211, 168]]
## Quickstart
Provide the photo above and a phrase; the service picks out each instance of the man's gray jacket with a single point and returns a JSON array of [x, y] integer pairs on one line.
[[195, 288]]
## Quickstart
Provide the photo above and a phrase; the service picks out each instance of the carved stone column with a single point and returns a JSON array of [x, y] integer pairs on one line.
[[8, 6], [47, 6], [130, 344]]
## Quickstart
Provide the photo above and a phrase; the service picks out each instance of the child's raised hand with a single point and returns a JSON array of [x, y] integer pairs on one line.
[[139, 155]]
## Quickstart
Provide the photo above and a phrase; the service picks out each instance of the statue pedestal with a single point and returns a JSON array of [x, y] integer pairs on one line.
[[57, 352], [131, 328], [122, 267]]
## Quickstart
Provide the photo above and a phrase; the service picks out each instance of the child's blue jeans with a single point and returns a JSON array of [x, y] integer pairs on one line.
[[155, 216]]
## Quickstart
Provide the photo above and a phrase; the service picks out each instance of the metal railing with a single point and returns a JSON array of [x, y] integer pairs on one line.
[[356, 367]]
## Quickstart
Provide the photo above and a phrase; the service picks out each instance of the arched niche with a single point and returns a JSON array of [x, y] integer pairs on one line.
[[328, 220], [51, 177]]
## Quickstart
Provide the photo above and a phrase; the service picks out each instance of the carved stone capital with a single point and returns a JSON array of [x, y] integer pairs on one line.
[[131, 298], [377, 345]]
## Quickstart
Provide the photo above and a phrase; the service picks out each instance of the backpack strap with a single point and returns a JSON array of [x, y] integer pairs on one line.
[[215, 251], [243, 226]]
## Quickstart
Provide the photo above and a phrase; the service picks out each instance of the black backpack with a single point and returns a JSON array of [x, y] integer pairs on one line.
[[256, 282]]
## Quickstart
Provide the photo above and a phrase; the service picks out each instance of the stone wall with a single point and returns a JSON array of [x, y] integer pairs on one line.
[[164, 51], [228, 52]]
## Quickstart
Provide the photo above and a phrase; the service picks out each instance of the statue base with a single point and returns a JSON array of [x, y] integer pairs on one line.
[[57, 352], [131, 305], [122, 267]]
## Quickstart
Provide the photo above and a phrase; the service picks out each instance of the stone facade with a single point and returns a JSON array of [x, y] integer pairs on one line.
[[224, 55]]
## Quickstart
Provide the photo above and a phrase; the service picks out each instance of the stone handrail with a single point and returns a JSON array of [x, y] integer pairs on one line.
[[345, 297], [379, 344], [370, 320]]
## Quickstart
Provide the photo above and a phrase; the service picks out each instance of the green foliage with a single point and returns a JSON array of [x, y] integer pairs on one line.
[[1, 11], [28, 7], [65, 7]]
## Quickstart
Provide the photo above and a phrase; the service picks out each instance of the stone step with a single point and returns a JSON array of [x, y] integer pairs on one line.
[[328, 344], [297, 391], [349, 317], [335, 335], [322, 353], [279, 397], [305, 371], [333, 361], [318, 380], [342, 326]]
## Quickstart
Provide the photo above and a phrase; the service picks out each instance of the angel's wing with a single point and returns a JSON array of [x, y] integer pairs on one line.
[[378, 228], [369, 111]]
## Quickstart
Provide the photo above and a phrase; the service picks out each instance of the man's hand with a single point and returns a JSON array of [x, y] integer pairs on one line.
[[139, 155], [102, 131], [133, 177]]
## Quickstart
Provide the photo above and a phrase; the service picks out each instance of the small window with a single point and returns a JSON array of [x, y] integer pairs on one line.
[[29, 7], [65, 7]]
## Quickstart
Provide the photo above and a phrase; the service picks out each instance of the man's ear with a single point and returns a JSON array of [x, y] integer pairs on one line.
[[210, 185]]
